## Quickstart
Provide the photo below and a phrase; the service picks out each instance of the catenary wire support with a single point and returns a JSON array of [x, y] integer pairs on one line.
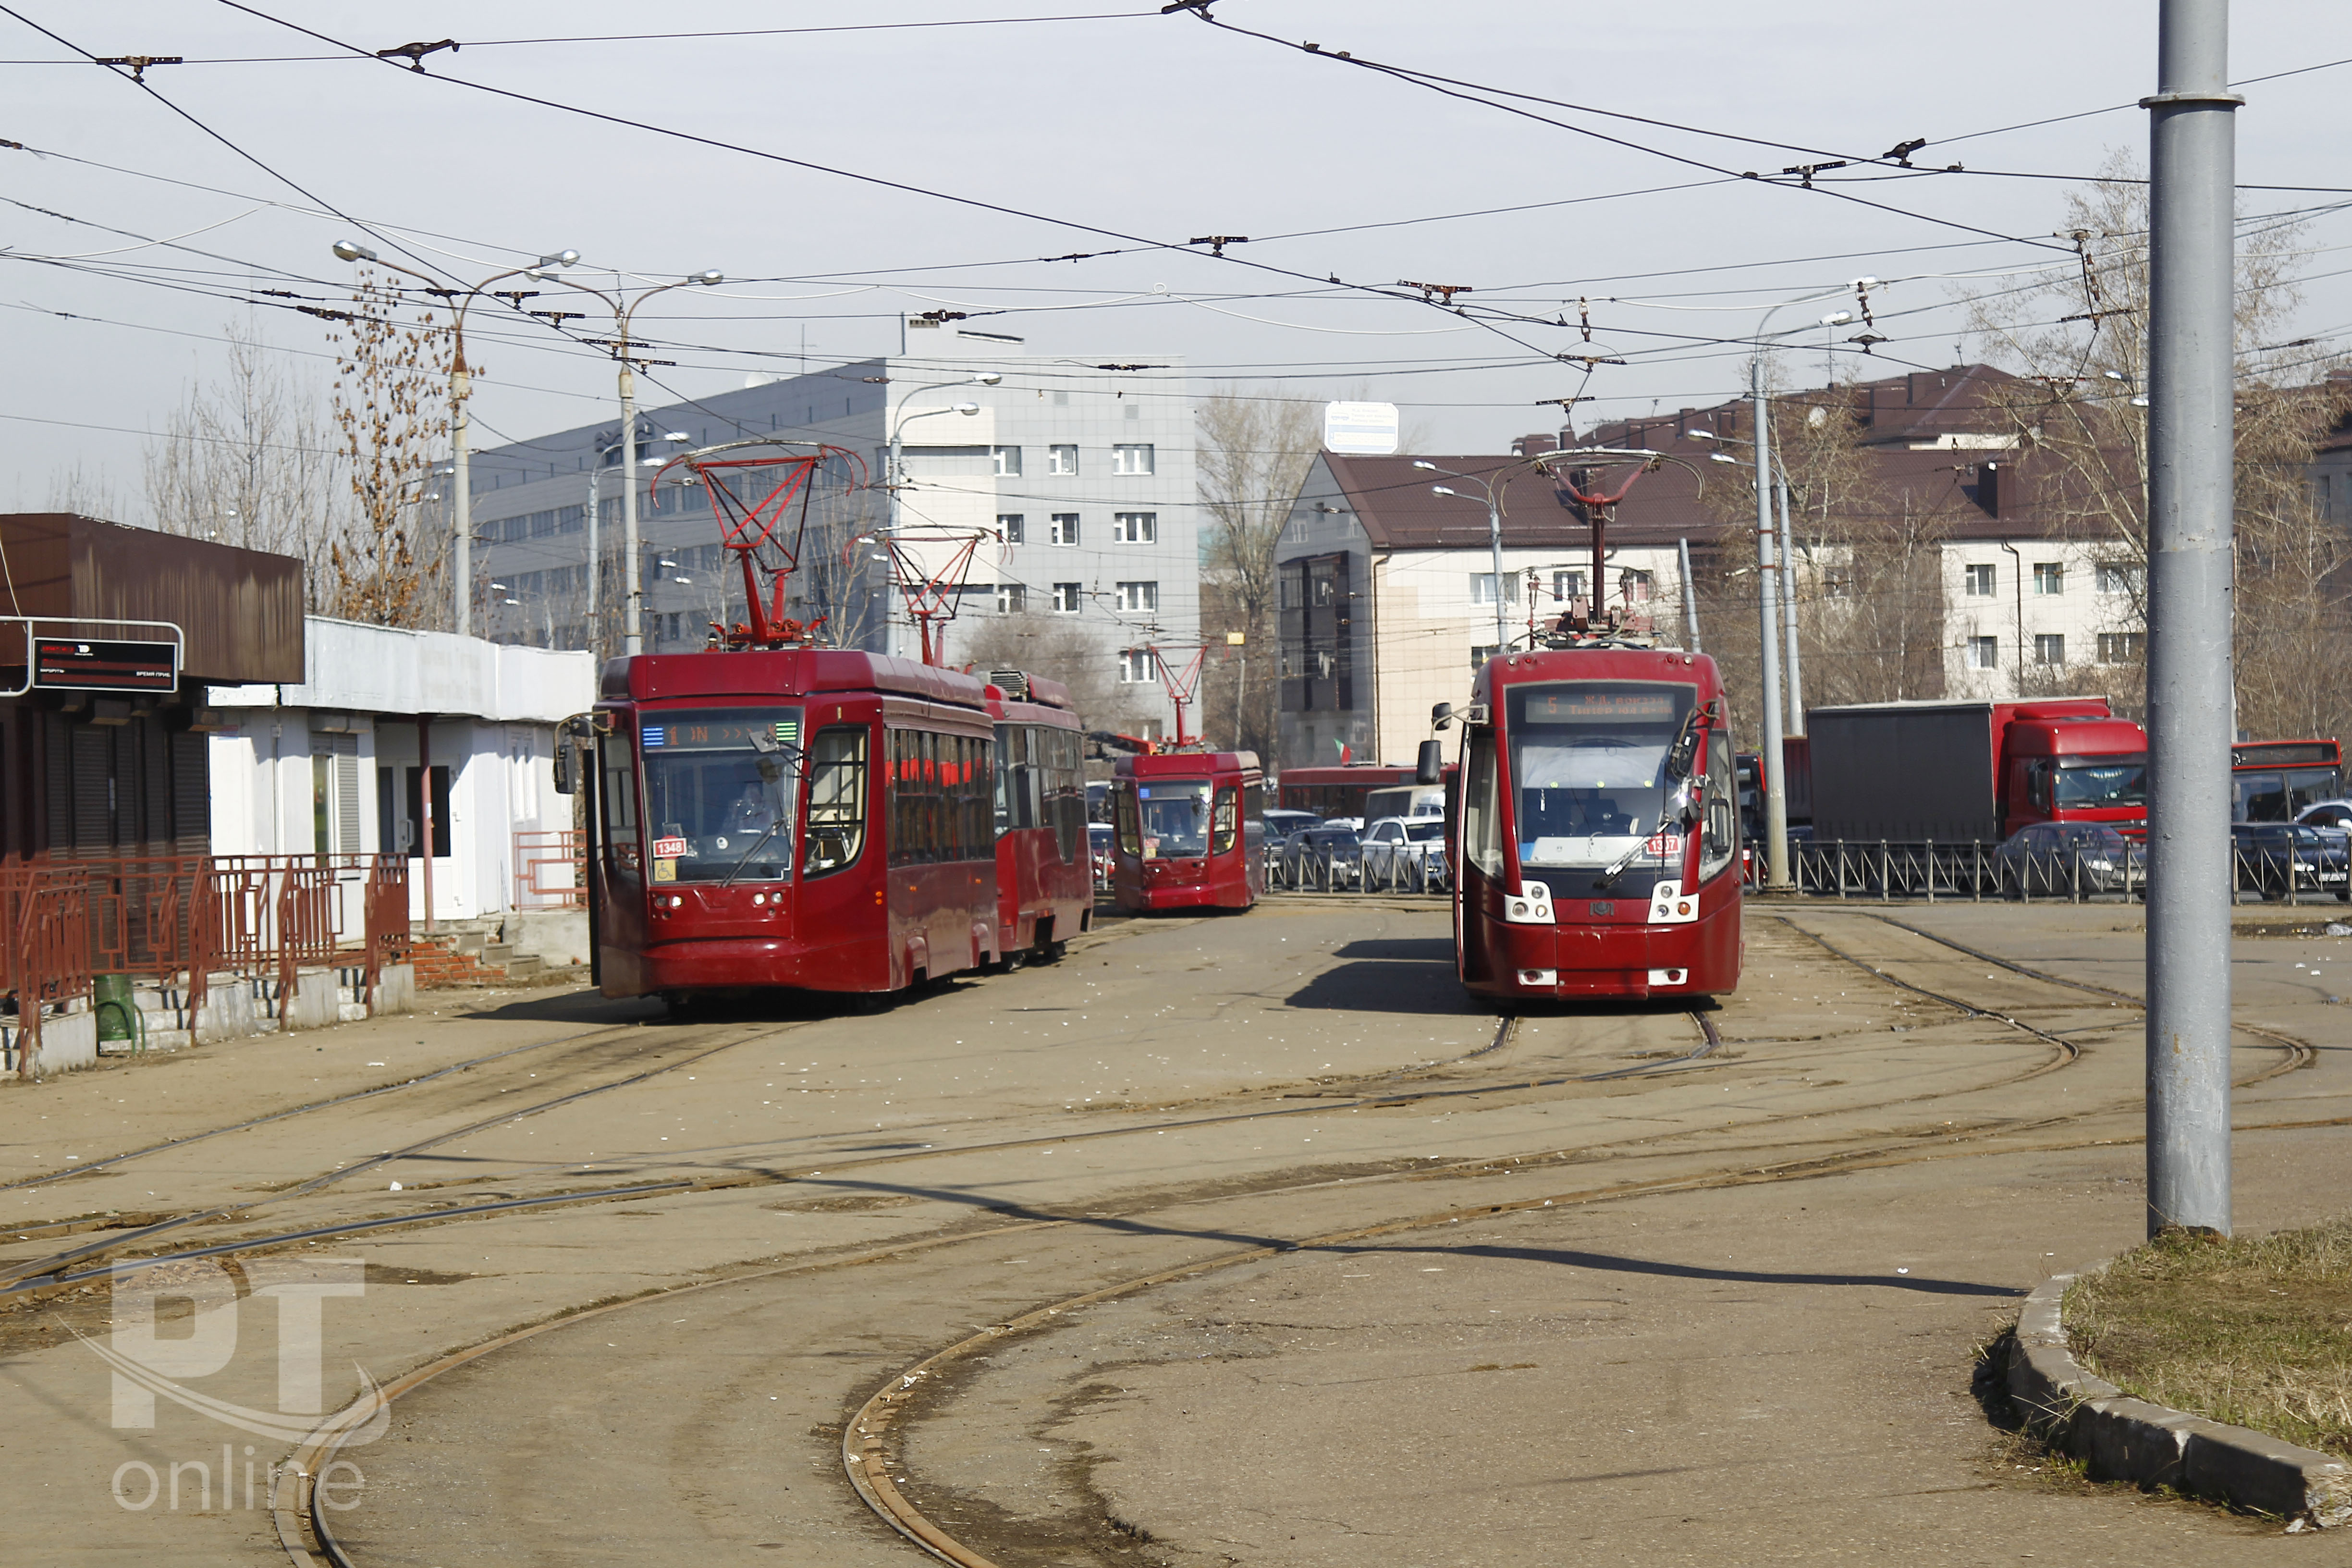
[[2191, 467]]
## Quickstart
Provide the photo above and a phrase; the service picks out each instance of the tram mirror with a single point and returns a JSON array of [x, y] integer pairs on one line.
[[1441, 716], [1431, 766], [1683, 758], [562, 767]]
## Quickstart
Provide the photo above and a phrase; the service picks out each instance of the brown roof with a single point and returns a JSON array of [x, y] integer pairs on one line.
[[1400, 510], [241, 609]]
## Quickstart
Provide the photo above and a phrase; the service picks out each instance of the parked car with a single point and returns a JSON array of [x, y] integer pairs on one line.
[[1396, 847], [1307, 854], [1100, 837], [2041, 859], [2266, 850], [2328, 816], [1281, 822]]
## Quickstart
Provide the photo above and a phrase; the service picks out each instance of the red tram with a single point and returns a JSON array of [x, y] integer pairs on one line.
[[818, 818], [1339, 791], [1187, 831], [1598, 836], [1045, 872]]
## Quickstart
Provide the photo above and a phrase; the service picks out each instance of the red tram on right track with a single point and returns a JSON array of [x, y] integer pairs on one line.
[[1598, 840]]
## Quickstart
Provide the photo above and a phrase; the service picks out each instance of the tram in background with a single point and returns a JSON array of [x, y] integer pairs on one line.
[[1337, 792], [818, 818], [1598, 838], [1187, 832], [1045, 872]]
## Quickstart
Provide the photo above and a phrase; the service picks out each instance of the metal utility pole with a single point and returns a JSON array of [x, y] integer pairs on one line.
[[2192, 157], [1776, 799], [1796, 715], [1690, 596], [633, 642]]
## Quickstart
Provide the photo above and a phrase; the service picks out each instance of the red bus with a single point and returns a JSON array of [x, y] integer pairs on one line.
[[817, 819], [1336, 792], [1044, 875], [1187, 831], [2274, 781], [1598, 838]]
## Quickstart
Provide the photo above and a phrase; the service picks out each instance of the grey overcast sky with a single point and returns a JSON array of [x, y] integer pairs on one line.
[[985, 148]]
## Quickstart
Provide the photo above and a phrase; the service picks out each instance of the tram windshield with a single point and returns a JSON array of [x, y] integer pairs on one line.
[[1587, 763], [1175, 816], [720, 784]]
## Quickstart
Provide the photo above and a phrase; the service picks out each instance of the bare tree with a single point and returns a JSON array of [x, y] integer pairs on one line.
[[252, 460], [391, 408], [88, 494], [2078, 337], [1252, 456], [1060, 648]]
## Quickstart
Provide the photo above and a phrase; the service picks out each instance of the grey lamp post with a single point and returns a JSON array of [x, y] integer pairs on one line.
[[1776, 798], [624, 311], [1494, 538], [461, 616], [897, 474]]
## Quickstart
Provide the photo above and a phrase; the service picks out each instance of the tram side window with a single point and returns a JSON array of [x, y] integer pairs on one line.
[[1129, 823], [940, 790], [1066, 792], [1224, 820], [1254, 816], [1019, 784], [974, 784], [619, 799], [1482, 836], [1719, 808], [837, 801]]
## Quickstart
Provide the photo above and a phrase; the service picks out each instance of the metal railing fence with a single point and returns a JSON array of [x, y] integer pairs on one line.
[[551, 868], [183, 921], [1323, 871]]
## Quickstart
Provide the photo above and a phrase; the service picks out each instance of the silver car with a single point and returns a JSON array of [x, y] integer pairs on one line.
[[1396, 847]]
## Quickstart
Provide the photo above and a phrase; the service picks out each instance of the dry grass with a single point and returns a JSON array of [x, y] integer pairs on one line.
[[2255, 1332]]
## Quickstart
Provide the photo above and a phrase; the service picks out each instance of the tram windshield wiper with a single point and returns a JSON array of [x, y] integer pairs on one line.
[[1681, 758]]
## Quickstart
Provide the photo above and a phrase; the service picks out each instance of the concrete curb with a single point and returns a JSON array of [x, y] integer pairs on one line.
[[2123, 1440]]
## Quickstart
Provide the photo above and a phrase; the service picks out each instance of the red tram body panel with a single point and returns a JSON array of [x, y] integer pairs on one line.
[[1187, 831], [1044, 871], [1598, 835], [817, 818]]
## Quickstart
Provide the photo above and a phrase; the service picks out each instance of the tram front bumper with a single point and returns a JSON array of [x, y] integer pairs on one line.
[[1603, 961]]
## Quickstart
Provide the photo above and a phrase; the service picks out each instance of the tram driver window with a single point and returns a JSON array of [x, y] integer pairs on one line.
[[837, 801], [1227, 822], [619, 800], [1719, 808], [1175, 815]]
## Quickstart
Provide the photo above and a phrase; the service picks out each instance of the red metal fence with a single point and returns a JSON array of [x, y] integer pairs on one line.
[[550, 869], [187, 920]]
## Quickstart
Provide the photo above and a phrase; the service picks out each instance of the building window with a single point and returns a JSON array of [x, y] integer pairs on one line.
[[1060, 459], [1634, 586], [1138, 596], [2120, 576], [1134, 666], [1984, 653], [1568, 585], [1065, 529], [1010, 525], [1131, 459], [1008, 461], [2049, 647], [1011, 598], [1979, 582], [1067, 597], [1482, 588], [1135, 527], [1480, 653], [2122, 647], [2048, 578]]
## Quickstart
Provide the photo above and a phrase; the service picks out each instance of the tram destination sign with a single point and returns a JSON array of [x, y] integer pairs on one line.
[[1636, 706], [77, 664]]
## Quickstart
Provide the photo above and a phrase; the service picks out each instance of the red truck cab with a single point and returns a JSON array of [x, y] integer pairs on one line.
[[2070, 761]]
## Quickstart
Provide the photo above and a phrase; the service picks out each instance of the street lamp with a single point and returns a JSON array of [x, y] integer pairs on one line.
[[460, 388], [623, 310], [1788, 571], [1494, 537], [898, 452], [1776, 798]]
